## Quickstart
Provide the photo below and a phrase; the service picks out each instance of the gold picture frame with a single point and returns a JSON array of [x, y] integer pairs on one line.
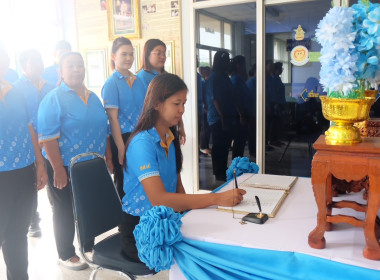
[[170, 57], [123, 18]]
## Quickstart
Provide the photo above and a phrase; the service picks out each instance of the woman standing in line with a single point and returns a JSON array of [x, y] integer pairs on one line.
[[154, 162], [243, 104], [221, 113], [71, 121], [123, 97], [34, 89], [22, 172], [153, 62]]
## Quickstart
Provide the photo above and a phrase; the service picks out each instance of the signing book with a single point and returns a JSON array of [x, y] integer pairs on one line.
[[271, 189]]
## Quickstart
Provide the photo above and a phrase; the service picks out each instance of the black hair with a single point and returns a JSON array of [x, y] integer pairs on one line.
[[62, 45], [221, 62], [26, 55], [161, 88]]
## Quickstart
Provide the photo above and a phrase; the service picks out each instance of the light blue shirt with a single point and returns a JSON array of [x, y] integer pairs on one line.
[[147, 76], [116, 93], [51, 75], [32, 96], [79, 127], [147, 158], [16, 148], [11, 76]]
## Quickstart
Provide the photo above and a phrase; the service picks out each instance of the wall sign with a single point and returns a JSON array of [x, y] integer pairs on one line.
[[299, 56]]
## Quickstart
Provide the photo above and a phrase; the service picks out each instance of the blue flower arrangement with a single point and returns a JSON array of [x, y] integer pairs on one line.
[[350, 40]]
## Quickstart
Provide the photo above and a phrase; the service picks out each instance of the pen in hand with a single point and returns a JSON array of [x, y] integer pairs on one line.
[[236, 184]]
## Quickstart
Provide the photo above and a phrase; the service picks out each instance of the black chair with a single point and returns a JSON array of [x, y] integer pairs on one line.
[[97, 209]]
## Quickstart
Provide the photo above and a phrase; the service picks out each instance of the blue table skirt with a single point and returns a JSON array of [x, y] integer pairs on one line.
[[204, 260]]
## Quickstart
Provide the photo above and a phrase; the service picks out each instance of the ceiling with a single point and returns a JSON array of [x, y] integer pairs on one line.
[[279, 18]]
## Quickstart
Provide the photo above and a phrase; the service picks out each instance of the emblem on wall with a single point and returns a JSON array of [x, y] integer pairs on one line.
[[300, 54]]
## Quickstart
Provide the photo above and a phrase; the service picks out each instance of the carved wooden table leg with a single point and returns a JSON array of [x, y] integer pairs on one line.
[[320, 177], [329, 199], [372, 248]]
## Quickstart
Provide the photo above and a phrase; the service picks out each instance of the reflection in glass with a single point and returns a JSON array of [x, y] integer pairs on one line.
[[209, 31], [227, 36]]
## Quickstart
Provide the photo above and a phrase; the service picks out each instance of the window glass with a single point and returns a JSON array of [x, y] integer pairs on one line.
[[227, 36], [204, 58], [209, 31], [294, 118]]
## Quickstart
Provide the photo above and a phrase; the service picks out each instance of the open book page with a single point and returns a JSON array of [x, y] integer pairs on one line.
[[270, 201], [269, 181]]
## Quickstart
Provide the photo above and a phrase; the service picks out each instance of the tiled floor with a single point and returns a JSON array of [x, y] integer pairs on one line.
[[43, 255]]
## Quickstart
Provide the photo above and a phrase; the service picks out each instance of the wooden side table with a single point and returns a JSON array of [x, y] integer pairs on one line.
[[346, 163]]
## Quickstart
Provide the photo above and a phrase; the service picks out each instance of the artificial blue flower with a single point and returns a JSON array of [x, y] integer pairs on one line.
[[337, 38]]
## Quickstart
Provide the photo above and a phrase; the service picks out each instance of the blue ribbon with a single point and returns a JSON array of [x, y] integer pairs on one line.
[[242, 165]]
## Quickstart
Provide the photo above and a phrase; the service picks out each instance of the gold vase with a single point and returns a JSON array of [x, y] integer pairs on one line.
[[344, 113]]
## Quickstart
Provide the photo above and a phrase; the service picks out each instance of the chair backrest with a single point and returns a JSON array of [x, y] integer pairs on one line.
[[96, 204]]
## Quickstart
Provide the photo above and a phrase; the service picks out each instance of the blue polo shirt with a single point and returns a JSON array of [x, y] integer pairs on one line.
[[117, 93], [51, 75], [240, 87], [33, 96], [219, 87], [147, 158], [16, 148], [147, 76], [11, 76], [251, 84], [79, 125]]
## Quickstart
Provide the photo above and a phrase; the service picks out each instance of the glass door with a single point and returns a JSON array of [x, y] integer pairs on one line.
[[293, 118]]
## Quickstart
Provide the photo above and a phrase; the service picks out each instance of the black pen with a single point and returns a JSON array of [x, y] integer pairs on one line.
[[236, 184]]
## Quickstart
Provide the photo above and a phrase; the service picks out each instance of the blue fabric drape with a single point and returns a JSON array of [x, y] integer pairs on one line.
[[211, 261], [159, 241]]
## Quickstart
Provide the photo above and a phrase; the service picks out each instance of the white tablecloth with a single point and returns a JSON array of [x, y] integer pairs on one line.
[[288, 231]]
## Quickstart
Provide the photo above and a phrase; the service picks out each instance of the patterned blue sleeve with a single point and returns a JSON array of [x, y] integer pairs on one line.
[[110, 93], [142, 159], [49, 115]]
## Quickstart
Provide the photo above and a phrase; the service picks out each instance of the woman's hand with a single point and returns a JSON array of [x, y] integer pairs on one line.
[[108, 156], [230, 198], [41, 175], [60, 178], [121, 154], [182, 134], [182, 137], [109, 164]]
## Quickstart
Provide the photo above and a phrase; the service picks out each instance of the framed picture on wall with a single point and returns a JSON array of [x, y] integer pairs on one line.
[[170, 62], [123, 18], [96, 68], [136, 62]]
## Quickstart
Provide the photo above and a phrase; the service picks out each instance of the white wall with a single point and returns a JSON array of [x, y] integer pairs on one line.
[[190, 149]]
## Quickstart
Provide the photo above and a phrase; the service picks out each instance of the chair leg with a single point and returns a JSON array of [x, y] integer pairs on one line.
[[286, 148], [130, 277], [94, 272]]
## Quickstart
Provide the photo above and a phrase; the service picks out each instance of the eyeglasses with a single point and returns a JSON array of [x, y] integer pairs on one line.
[[159, 54]]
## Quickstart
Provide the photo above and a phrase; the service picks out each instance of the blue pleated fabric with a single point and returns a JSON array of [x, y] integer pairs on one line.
[[241, 165]]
